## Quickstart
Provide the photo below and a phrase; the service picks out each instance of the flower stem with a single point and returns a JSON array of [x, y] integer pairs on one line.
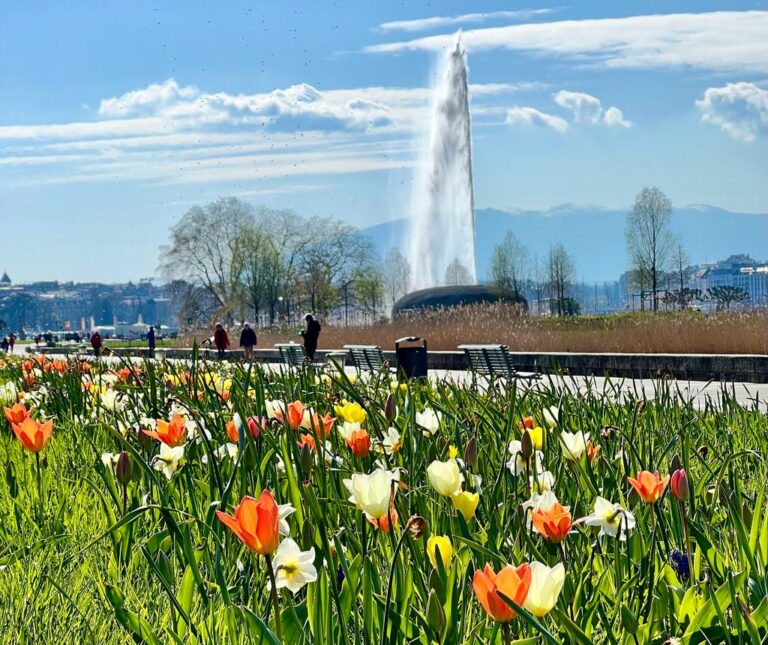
[[275, 603], [506, 633], [40, 500], [389, 584]]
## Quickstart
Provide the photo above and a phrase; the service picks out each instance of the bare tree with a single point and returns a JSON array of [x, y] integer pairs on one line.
[[456, 273], [649, 240], [726, 295], [204, 250], [396, 274], [680, 260], [561, 270], [510, 267], [369, 288]]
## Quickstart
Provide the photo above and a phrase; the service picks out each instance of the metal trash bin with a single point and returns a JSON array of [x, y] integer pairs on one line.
[[411, 360]]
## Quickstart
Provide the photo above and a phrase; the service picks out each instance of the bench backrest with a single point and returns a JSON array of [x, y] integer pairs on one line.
[[491, 360], [366, 357], [291, 354]]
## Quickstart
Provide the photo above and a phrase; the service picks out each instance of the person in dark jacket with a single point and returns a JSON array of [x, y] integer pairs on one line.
[[151, 342], [310, 335], [96, 343], [247, 341], [220, 340]]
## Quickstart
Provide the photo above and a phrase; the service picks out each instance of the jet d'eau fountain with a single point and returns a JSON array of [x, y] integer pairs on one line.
[[443, 225]]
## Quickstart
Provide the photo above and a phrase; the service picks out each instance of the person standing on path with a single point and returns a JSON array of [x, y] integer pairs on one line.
[[151, 342], [11, 341], [248, 341], [220, 340], [310, 335], [96, 343]]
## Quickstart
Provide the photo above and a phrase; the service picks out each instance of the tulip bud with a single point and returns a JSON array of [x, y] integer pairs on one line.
[[306, 460], [435, 613], [676, 464], [123, 468], [145, 441], [679, 485], [703, 452], [470, 452], [416, 526], [390, 409], [526, 445], [307, 535]]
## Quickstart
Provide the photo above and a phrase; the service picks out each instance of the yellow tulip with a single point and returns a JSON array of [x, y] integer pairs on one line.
[[441, 543], [453, 451], [466, 503], [350, 412], [537, 437], [445, 477]]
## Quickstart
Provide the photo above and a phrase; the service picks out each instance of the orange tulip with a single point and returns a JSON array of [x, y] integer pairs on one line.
[[322, 425], [528, 422], [382, 522], [256, 523], [171, 434], [513, 582], [295, 415], [307, 440], [360, 443], [649, 485], [16, 414], [29, 378], [33, 434], [592, 451], [553, 524], [232, 433], [124, 374], [40, 358], [27, 365]]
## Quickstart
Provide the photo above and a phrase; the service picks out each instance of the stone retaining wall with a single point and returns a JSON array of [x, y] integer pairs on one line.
[[752, 368]]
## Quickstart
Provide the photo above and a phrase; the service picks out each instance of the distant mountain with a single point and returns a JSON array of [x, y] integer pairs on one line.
[[595, 235]]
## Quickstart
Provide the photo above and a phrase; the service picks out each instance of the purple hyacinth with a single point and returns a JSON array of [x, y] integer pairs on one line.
[[680, 564]]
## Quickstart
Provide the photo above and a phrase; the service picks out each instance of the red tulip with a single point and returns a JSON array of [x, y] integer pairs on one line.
[[679, 485]]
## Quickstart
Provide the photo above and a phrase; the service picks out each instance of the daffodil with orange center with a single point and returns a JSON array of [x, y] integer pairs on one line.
[[552, 523], [649, 485], [33, 434], [170, 433], [513, 582], [256, 523]]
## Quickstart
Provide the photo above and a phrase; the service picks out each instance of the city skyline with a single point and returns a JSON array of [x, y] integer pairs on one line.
[[114, 122]]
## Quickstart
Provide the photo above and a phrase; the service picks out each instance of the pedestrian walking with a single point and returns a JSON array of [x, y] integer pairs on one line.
[[11, 341], [96, 343], [310, 335], [151, 342], [220, 340], [4, 344], [247, 341]]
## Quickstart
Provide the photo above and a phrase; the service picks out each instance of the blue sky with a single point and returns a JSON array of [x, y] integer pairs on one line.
[[115, 118]]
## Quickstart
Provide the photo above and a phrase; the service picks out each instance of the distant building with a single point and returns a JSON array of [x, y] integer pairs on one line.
[[5, 280], [740, 271]]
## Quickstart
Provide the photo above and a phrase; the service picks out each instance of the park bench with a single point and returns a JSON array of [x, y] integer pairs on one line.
[[493, 361], [367, 357], [293, 355]]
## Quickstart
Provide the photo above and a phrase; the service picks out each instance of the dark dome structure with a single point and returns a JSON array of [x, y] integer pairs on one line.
[[454, 296]]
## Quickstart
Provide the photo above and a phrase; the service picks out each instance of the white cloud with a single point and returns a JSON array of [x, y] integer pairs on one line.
[[181, 134], [436, 22], [528, 116], [740, 109], [588, 109], [721, 40]]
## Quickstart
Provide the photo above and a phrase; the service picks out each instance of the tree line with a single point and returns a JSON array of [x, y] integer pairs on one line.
[[231, 260]]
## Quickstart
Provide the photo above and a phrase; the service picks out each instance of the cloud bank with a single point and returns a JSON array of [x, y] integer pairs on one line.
[[588, 109], [739, 109], [437, 22]]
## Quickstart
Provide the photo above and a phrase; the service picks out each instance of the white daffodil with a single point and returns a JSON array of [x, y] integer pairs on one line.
[[294, 568], [429, 420], [226, 450], [546, 584], [109, 459], [283, 511], [551, 416], [8, 393], [371, 493], [612, 519], [445, 477], [574, 444], [275, 408], [517, 464], [544, 481], [169, 459], [392, 442]]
